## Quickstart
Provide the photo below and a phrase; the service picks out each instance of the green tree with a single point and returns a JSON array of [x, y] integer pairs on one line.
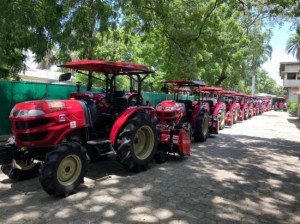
[[264, 83], [82, 21], [26, 25], [293, 44]]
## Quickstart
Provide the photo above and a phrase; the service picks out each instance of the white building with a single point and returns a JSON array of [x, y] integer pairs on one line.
[[290, 73]]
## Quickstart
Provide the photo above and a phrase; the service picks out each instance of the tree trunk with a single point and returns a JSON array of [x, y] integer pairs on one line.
[[222, 77], [90, 57], [253, 81]]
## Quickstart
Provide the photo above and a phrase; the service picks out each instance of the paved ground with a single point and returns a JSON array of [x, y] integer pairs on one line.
[[248, 174]]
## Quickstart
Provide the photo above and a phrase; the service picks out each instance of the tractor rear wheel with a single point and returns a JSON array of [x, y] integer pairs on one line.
[[201, 128], [222, 120], [246, 115], [63, 170], [21, 170], [137, 142], [235, 116]]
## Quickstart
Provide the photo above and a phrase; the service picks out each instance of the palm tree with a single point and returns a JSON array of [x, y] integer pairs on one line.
[[293, 44]]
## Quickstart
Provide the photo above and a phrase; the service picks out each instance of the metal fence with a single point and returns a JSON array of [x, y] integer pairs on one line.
[[15, 92]]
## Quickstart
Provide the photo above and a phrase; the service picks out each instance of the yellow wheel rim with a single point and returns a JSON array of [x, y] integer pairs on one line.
[[21, 165], [222, 119], [205, 125], [235, 115], [69, 170], [143, 142]]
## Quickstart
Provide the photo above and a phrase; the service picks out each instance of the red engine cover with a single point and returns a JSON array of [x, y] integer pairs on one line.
[[45, 122], [170, 111]]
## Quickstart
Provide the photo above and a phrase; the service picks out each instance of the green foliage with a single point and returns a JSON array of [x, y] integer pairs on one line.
[[223, 43], [293, 106], [293, 44], [265, 84], [26, 25]]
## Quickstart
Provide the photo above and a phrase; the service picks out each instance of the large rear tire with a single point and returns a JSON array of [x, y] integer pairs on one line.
[[246, 114], [201, 130], [137, 142], [235, 116], [222, 120], [63, 170], [21, 170]]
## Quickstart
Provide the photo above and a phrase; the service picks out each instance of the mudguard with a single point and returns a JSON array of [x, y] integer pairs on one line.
[[123, 118], [218, 107], [234, 106], [199, 110]]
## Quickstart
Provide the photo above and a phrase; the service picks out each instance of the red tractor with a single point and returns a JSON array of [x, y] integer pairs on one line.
[[217, 109], [267, 103], [244, 112], [62, 134], [256, 105], [279, 103], [179, 120], [232, 107], [248, 100]]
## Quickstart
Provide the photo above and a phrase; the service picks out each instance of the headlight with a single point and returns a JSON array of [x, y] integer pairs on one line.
[[26, 113], [166, 108]]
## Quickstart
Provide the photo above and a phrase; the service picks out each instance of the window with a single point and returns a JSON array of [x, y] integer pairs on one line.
[[291, 76]]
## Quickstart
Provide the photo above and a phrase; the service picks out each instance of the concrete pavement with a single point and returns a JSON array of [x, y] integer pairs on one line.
[[249, 173]]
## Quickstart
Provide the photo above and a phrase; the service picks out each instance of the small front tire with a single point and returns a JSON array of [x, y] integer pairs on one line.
[[63, 170], [20, 170]]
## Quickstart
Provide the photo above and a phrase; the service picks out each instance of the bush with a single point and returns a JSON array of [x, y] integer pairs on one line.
[[293, 106]]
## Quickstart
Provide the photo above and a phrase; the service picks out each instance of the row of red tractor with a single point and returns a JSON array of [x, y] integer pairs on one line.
[[55, 139]]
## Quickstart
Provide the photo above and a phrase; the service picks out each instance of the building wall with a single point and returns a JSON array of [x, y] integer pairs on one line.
[[292, 93], [291, 85], [292, 68]]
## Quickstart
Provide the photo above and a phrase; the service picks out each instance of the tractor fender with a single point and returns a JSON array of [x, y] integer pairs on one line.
[[219, 107], [244, 107], [233, 107], [198, 111], [124, 117]]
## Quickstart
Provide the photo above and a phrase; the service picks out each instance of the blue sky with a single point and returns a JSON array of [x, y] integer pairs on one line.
[[278, 43]]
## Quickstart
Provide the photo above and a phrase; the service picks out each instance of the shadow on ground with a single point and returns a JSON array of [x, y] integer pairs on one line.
[[228, 179]]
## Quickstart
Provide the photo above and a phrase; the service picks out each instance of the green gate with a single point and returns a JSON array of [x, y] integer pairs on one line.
[[15, 92]]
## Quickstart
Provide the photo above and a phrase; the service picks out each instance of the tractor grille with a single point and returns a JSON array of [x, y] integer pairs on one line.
[[166, 114], [32, 137], [23, 125]]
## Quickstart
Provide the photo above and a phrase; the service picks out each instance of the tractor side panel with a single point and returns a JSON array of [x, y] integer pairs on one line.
[[184, 143]]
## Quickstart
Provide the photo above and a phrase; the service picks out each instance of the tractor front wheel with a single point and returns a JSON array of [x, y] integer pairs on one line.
[[63, 170], [137, 142], [161, 156], [21, 170], [201, 128]]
